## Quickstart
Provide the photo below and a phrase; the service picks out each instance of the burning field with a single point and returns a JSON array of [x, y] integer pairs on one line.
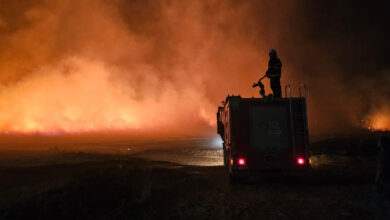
[[161, 68]]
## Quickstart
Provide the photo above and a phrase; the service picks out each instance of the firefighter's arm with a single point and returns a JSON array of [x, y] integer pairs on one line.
[[271, 74], [267, 73]]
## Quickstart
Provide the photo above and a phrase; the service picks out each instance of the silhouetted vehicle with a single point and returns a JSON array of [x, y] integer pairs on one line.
[[264, 134]]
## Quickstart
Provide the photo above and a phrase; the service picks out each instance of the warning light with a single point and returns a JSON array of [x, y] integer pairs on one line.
[[241, 161], [300, 160]]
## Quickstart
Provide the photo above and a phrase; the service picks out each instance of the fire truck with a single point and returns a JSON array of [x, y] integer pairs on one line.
[[264, 135]]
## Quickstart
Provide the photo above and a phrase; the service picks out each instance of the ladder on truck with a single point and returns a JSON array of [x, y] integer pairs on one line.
[[298, 116]]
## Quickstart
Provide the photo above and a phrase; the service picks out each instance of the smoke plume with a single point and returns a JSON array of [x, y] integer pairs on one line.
[[164, 66]]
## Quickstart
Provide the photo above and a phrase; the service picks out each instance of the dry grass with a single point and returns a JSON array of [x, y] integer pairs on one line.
[[104, 186]]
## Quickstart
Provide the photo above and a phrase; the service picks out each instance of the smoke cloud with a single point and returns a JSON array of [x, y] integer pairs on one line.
[[163, 67]]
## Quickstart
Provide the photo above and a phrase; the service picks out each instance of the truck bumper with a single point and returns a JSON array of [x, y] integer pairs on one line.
[[252, 174]]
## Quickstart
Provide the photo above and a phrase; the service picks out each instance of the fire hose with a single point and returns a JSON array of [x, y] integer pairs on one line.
[[261, 85]]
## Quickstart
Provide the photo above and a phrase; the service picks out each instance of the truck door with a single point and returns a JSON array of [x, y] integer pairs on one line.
[[269, 135]]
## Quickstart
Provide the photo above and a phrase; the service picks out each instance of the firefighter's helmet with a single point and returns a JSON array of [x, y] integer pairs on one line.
[[272, 52]]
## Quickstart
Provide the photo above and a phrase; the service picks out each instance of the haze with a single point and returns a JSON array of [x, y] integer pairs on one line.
[[162, 67]]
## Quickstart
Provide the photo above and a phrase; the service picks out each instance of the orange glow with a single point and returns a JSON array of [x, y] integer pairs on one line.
[[97, 70], [98, 66], [88, 100], [379, 122]]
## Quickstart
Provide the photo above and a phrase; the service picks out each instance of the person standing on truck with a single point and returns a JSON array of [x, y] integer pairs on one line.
[[382, 181], [274, 73]]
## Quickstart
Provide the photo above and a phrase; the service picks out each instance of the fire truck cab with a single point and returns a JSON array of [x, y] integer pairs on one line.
[[264, 135]]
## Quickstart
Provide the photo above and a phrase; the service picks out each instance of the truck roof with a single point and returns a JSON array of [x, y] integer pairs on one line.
[[238, 99]]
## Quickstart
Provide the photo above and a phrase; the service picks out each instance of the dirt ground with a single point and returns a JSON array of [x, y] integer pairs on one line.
[[79, 185]]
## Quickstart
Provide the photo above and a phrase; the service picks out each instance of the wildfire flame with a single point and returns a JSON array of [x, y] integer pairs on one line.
[[379, 122], [82, 66], [95, 65], [87, 99]]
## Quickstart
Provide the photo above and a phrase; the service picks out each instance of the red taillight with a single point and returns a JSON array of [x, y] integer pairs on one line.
[[241, 161], [300, 160]]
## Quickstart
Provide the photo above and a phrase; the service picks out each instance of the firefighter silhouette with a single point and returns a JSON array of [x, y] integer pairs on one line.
[[274, 73]]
